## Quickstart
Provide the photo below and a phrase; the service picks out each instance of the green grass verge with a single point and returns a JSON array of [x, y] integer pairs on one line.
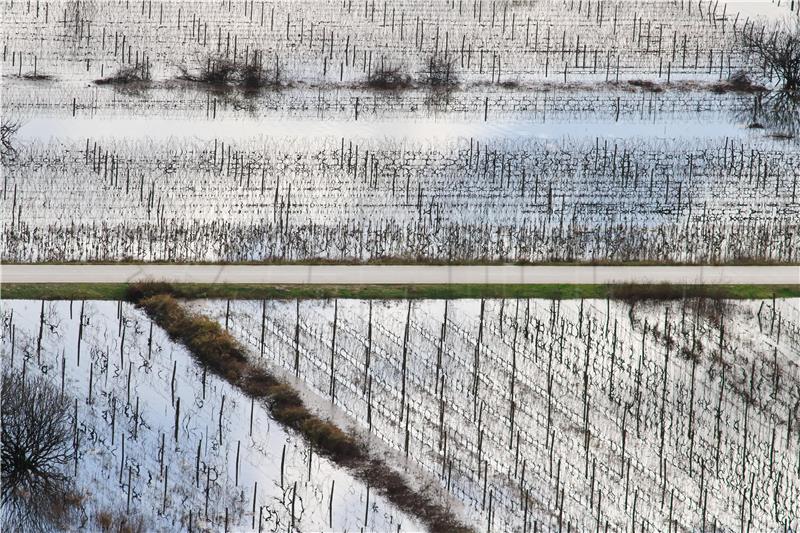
[[119, 291]]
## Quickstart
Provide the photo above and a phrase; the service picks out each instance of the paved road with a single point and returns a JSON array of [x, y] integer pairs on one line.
[[400, 275]]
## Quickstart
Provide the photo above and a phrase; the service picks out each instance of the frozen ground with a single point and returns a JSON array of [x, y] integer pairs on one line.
[[130, 383], [557, 415]]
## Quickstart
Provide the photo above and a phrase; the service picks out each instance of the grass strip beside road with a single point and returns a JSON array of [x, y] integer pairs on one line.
[[631, 292]]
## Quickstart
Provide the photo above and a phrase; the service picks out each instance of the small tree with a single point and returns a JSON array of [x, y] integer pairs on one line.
[[37, 436], [778, 48]]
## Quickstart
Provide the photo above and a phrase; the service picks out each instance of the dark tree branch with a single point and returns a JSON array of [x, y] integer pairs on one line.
[[778, 48], [37, 437]]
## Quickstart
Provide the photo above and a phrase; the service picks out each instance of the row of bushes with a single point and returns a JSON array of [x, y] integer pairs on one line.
[[218, 351], [440, 73], [223, 72]]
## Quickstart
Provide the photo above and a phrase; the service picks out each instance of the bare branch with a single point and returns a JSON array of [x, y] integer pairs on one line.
[[37, 436], [778, 49]]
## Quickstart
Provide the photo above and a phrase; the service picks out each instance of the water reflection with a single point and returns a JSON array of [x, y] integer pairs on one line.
[[778, 112]]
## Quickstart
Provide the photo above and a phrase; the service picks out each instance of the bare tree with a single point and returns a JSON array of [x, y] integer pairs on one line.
[[8, 128], [778, 48], [37, 442]]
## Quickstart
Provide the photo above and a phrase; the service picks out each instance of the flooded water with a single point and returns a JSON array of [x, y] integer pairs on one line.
[[48, 129]]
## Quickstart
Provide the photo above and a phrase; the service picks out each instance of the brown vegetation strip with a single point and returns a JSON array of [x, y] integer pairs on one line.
[[217, 350]]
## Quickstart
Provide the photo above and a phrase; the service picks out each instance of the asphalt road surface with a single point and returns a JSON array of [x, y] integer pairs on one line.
[[400, 274]]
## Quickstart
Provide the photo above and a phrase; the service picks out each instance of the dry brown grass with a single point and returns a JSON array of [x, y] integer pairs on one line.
[[646, 85], [109, 522], [634, 292], [208, 342], [142, 289], [407, 499], [326, 435], [104, 520], [216, 349]]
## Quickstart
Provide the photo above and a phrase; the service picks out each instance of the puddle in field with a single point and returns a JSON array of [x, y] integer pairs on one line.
[[766, 10]]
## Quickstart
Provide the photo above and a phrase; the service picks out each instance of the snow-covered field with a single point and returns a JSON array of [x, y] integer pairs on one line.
[[575, 414], [579, 130], [515, 197], [225, 457], [329, 41]]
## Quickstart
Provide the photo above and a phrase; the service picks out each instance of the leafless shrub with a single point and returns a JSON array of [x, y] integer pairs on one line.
[[778, 48], [389, 78], [35, 76], [37, 436], [252, 77], [441, 73], [223, 72], [646, 85], [214, 70], [134, 74], [510, 84], [218, 71], [739, 82], [255, 76]]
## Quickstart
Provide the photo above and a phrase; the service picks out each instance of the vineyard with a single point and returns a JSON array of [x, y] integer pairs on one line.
[[579, 414], [162, 445], [415, 133], [332, 41], [459, 131], [520, 199]]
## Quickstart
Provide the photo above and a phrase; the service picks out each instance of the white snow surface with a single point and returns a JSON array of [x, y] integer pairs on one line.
[[214, 419], [583, 377]]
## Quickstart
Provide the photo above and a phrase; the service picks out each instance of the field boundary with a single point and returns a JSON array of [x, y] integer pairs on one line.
[[249, 291]]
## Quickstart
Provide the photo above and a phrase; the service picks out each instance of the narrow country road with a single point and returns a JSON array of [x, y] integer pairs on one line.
[[400, 274]]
